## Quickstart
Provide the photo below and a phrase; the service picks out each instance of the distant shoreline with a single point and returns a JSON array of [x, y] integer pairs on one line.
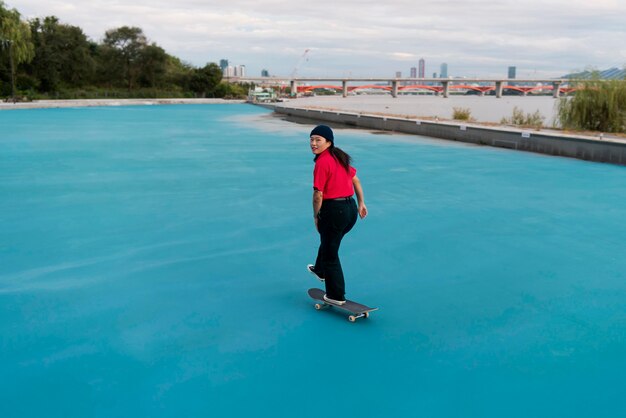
[[51, 104]]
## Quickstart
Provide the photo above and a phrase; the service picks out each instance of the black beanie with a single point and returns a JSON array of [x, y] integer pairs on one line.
[[324, 131]]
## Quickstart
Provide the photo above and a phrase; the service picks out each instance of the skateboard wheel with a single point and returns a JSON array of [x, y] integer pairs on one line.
[[352, 318], [318, 306], [367, 314]]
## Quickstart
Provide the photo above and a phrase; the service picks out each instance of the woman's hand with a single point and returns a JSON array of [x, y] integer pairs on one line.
[[362, 210], [316, 223]]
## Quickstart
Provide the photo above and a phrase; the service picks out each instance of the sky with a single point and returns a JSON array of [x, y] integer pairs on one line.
[[366, 38]]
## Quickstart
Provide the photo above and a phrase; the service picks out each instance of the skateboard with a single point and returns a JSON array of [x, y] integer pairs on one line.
[[356, 309]]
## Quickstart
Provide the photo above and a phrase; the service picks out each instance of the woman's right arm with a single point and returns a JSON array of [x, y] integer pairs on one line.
[[359, 196]]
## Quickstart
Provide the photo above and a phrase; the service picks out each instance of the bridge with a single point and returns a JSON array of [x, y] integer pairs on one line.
[[394, 86]]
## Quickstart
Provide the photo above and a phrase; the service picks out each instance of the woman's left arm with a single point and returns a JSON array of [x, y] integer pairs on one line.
[[318, 198], [359, 196]]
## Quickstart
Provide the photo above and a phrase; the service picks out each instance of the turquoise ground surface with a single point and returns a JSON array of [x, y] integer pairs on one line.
[[152, 264]]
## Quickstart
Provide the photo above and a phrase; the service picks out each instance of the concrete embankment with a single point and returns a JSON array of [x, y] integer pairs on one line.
[[608, 150], [44, 104]]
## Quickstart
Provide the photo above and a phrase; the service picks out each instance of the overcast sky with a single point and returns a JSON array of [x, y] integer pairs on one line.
[[476, 38]]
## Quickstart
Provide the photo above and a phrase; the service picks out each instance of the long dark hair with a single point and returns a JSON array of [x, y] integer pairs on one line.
[[340, 155]]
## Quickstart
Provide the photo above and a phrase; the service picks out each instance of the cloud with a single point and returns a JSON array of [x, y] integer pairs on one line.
[[403, 56], [365, 37]]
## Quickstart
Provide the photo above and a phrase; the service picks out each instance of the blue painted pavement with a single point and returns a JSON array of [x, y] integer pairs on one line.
[[152, 263]]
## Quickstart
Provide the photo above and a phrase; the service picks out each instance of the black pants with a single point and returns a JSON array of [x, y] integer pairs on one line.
[[336, 219]]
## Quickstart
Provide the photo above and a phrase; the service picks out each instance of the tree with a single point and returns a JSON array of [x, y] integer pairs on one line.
[[178, 73], [109, 67], [153, 66], [204, 80], [63, 54], [15, 38], [126, 44]]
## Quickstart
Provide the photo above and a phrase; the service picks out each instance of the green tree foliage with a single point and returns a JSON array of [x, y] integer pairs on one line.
[[127, 56], [15, 40], [204, 80], [598, 105], [153, 66], [53, 59], [16, 34], [233, 91], [124, 47], [63, 55], [178, 73]]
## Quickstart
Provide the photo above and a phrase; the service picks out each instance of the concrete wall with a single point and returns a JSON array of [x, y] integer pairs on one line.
[[581, 147]]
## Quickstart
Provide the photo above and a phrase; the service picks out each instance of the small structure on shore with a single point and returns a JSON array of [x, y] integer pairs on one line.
[[261, 95]]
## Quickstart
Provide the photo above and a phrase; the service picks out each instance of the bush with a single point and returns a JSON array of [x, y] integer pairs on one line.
[[108, 93], [227, 90], [598, 105], [461, 113], [518, 118]]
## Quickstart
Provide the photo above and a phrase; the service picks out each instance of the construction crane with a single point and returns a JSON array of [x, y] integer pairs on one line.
[[303, 58]]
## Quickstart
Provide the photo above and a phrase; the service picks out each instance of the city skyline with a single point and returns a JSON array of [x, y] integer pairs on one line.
[[363, 38]]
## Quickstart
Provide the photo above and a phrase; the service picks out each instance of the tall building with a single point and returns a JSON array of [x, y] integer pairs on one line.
[[512, 71], [232, 70], [444, 71], [422, 68], [265, 73], [413, 72], [398, 74], [223, 65]]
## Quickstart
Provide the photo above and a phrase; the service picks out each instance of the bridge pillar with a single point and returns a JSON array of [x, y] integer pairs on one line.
[[446, 88], [294, 88], [344, 88], [557, 87], [499, 88], [394, 88]]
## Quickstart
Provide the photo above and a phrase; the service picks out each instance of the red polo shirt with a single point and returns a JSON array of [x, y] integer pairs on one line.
[[331, 178]]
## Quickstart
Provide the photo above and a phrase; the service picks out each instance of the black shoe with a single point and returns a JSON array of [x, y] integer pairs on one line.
[[311, 269]]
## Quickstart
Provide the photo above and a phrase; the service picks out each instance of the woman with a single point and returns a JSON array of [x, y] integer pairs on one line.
[[334, 209]]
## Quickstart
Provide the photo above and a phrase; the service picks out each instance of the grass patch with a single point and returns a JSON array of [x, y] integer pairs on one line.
[[519, 118], [461, 113]]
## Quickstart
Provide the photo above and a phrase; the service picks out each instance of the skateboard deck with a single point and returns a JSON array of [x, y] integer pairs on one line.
[[357, 310]]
